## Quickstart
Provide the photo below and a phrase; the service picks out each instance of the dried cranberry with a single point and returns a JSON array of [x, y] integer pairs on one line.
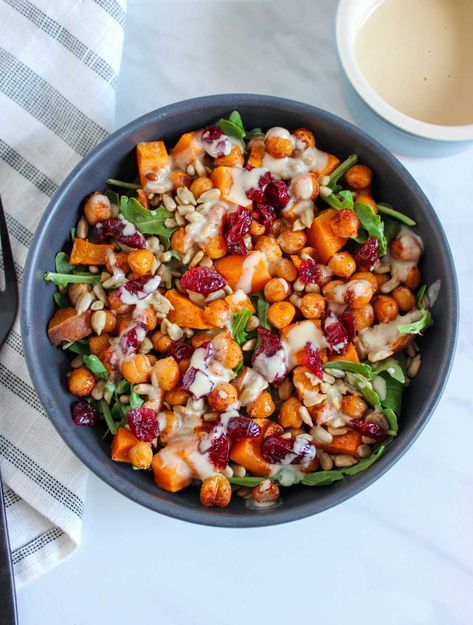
[[238, 225], [270, 343], [217, 142], [211, 134], [267, 212], [113, 228], [312, 360], [309, 272], [257, 193], [83, 413], [278, 450], [180, 350], [348, 321], [141, 287], [276, 193], [203, 280], [335, 334], [132, 337], [366, 428], [217, 446], [366, 255], [242, 427], [143, 423]]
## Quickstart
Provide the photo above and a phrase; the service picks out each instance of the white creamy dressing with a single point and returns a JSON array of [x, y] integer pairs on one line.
[[272, 367], [288, 475], [162, 181], [297, 337], [248, 269], [302, 186], [310, 159], [382, 337], [145, 294], [129, 228], [280, 133], [207, 222], [242, 181], [221, 146], [300, 443], [119, 276], [210, 372], [238, 296], [253, 385], [413, 246], [343, 293]]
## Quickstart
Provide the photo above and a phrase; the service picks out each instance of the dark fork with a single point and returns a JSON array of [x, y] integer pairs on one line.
[[8, 310]]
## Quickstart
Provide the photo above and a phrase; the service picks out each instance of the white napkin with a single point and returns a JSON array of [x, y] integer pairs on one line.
[[58, 71]]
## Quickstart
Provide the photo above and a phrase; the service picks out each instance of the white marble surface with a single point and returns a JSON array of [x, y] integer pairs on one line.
[[401, 552]]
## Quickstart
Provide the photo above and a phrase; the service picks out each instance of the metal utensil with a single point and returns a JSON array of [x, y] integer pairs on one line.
[[8, 310]]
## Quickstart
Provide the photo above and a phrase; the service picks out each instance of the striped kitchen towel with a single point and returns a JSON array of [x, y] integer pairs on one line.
[[58, 73]]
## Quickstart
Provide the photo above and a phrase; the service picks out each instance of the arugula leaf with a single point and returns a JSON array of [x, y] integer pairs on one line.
[[61, 300], [63, 279], [135, 400], [147, 221], [365, 388], [353, 367], [113, 197], [233, 126], [342, 169], [123, 185], [373, 224], [77, 347], [94, 364], [392, 367], [261, 306], [392, 421], [387, 209], [123, 387], [62, 264], [325, 478], [420, 296], [107, 415], [339, 201], [417, 327], [391, 229], [254, 132], [239, 321], [249, 480]]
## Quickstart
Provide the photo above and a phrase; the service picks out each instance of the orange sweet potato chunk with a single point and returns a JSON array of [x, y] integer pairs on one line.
[[222, 179], [151, 156], [87, 253], [344, 444], [170, 471], [351, 354], [186, 314], [232, 266], [122, 442], [247, 452], [66, 326], [187, 149], [322, 237]]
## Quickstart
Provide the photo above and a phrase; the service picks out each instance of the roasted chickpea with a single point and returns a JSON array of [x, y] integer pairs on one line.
[[183, 365], [141, 261], [115, 303], [110, 321], [166, 372], [263, 406], [98, 343], [345, 224], [369, 201], [216, 490], [256, 155], [180, 242], [363, 317], [353, 406], [368, 277], [81, 382], [117, 259], [215, 247], [276, 228], [201, 338], [276, 290], [136, 369], [234, 159], [177, 397], [269, 247], [412, 279], [406, 248], [217, 313], [312, 306], [305, 186], [74, 291], [285, 268], [278, 142], [304, 139], [289, 416], [148, 316], [272, 429], [330, 290], [180, 178], [265, 492], [201, 185], [97, 208], [385, 308], [358, 293], [257, 229], [280, 314], [222, 396], [342, 264], [161, 342], [292, 241], [405, 298], [140, 455], [152, 359], [359, 176], [228, 352]]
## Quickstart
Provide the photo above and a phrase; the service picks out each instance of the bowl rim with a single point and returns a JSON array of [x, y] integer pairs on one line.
[[344, 489], [344, 30]]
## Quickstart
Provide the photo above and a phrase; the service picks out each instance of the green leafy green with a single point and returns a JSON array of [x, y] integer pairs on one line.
[[239, 321], [373, 224], [342, 169], [77, 347], [365, 387], [61, 300], [63, 279], [261, 306], [254, 132], [391, 229], [368, 371], [94, 364], [353, 367], [113, 197], [392, 367], [420, 296], [135, 400], [324, 478], [121, 184], [392, 421], [339, 201], [239, 367], [73, 232], [62, 264], [248, 480], [107, 415], [233, 126], [123, 387], [416, 327], [147, 221], [387, 209]]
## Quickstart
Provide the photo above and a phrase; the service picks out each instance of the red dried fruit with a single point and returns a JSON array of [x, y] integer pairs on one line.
[[203, 280], [217, 446], [217, 142], [335, 334], [348, 321], [366, 255], [270, 194], [140, 287], [312, 360], [257, 193], [269, 345], [83, 413], [278, 450], [180, 350], [309, 272], [238, 225], [366, 428], [276, 193], [267, 212], [143, 423], [242, 427], [113, 228], [132, 337]]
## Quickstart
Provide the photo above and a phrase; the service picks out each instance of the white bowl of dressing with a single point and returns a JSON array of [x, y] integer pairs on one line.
[[411, 62]]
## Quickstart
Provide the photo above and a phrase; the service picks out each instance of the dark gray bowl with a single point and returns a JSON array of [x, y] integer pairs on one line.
[[115, 158]]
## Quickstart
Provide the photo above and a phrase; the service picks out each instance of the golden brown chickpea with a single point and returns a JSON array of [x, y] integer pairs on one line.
[[161, 342], [369, 201], [276, 290], [385, 308], [167, 373], [353, 406], [285, 268], [180, 242], [177, 397], [115, 304], [217, 313], [81, 382], [276, 228], [140, 455], [110, 321], [74, 291], [216, 490], [269, 247], [359, 176], [136, 369], [278, 143], [257, 229], [406, 248], [280, 314], [304, 139], [342, 264], [201, 338], [215, 246], [222, 396], [292, 241], [272, 429], [183, 365], [263, 406], [305, 186], [412, 280], [228, 352], [358, 293], [98, 343], [201, 185], [141, 261], [363, 317], [234, 159], [117, 259], [180, 179], [97, 208], [405, 298], [345, 224], [329, 289], [312, 306], [368, 277], [289, 416], [148, 316]]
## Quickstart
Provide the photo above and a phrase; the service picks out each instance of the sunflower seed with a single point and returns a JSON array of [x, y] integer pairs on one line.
[[169, 203], [325, 460], [249, 345], [199, 168], [82, 228], [343, 461], [196, 259], [84, 302], [98, 320], [321, 435], [212, 195]]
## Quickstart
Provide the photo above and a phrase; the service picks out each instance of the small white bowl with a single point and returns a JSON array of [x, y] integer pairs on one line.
[[351, 15]]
